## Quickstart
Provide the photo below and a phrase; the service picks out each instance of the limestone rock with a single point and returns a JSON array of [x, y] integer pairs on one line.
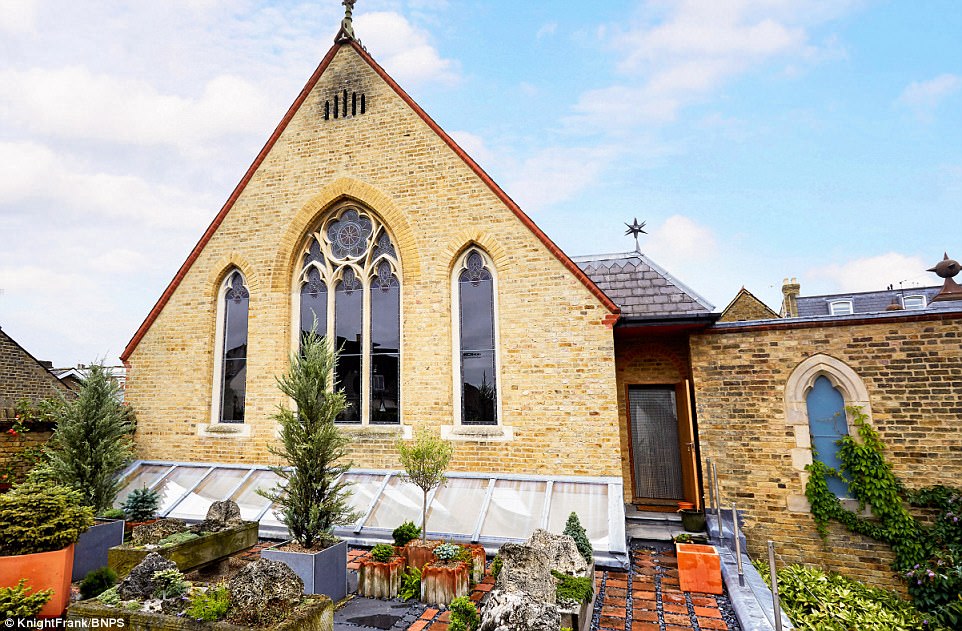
[[562, 552], [526, 569], [263, 590], [139, 584], [220, 516], [518, 611], [152, 533]]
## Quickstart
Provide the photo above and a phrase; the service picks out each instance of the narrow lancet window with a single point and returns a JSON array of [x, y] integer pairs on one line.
[[827, 424], [476, 317], [233, 382]]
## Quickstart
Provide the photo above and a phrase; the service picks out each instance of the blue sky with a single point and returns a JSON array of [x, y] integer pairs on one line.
[[759, 139]]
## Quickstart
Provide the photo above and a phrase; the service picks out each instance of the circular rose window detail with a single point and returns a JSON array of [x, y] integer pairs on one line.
[[349, 235]]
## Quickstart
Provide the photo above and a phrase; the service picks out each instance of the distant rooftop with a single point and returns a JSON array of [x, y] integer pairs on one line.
[[865, 302], [641, 287]]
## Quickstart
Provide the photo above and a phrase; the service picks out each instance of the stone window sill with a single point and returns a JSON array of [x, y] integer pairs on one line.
[[478, 433], [224, 430], [386, 431]]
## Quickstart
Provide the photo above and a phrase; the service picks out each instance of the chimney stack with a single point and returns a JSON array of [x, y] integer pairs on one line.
[[790, 291]]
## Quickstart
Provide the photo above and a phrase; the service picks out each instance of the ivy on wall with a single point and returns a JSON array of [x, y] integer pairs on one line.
[[928, 557]]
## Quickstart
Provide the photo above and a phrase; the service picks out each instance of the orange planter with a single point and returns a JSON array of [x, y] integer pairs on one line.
[[480, 558], [419, 554], [442, 584], [376, 579], [699, 568], [43, 570]]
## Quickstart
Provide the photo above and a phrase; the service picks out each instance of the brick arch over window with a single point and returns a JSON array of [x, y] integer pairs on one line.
[[338, 192], [844, 379]]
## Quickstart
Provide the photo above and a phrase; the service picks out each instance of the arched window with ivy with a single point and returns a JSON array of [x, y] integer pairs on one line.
[[349, 288], [232, 367], [827, 425], [476, 338]]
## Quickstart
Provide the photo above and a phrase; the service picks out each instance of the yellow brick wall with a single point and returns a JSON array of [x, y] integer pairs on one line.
[[557, 358], [912, 371]]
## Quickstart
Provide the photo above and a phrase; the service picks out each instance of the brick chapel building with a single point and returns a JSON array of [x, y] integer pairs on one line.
[[363, 219]]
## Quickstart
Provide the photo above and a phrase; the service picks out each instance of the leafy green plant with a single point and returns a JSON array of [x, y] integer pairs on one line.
[[110, 597], [382, 552], [573, 588], [683, 537], [169, 584], [92, 441], [405, 532], [97, 582], [425, 460], [312, 501], [410, 584], [113, 513], [496, 564], [464, 615], [141, 504], [209, 605], [18, 602], [447, 551], [576, 531], [178, 538], [929, 558], [37, 517], [831, 602]]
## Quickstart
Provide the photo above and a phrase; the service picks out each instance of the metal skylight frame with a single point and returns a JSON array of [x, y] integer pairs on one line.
[[612, 553]]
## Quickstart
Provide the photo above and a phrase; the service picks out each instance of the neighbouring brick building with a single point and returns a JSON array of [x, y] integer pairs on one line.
[[22, 376], [363, 220]]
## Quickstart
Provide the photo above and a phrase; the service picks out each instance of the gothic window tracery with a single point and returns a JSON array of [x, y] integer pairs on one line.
[[477, 340]]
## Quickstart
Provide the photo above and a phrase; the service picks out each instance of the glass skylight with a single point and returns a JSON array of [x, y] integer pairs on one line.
[[489, 509]]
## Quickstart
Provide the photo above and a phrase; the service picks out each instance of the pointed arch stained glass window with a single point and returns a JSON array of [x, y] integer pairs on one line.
[[233, 382], [479, 384]]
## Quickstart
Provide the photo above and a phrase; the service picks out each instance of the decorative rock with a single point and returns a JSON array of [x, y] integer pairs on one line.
[[220, 516], [152, 533], [139, 584], [518, 611], [264, 589], [562, 552], [526, 569]]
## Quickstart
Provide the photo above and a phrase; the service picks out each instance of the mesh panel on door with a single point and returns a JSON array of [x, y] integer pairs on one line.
[[654, 435]]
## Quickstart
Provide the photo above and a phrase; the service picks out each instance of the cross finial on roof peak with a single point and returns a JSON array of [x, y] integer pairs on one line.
[[347, 25]]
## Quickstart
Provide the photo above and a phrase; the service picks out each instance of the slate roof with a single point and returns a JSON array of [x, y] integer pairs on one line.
[[871, 301], [641, 287]]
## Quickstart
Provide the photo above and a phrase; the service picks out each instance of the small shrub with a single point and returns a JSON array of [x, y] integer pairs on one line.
[[410, 584], [110, 597], [97, 581], [113, 513], [178, 538], [209, 605], [683, 538], [447, 551], [141, 504], [464, 615], [382, 552], [404, 533], [577, 589], [496, 564], [169, 584], [18, 602], [425, 460], [38, 517], [576, 531]]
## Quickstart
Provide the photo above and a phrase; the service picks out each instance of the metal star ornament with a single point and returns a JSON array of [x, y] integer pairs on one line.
[[636, 229]]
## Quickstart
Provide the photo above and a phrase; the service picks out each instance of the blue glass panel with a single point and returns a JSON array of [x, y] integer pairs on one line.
[[827, 424]]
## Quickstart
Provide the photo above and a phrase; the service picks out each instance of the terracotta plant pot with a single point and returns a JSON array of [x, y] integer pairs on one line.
[[480, 559], [418, 554], [376, 579], [130, 525], [441, 584], [43, 570], [699, 568]]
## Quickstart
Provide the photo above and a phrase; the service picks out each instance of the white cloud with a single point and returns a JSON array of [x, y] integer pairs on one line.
[[557, 174], [871, 273], [75, 103], [404, 50], [680, 243], [18, 16], [475, 147], [546, 30], [925, 96]]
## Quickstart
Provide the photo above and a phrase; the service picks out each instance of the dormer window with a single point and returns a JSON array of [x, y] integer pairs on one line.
[[913, 302], [841, 307]]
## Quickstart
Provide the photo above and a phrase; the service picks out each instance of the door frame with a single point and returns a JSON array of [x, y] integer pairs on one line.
[[687, 448]]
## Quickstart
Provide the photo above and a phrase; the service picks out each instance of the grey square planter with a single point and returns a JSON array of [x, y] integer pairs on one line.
[[323, 572], [90, 553]]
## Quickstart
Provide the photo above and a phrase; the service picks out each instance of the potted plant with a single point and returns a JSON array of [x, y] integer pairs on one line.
[[91, 443], [380, 576], [39, 525], [699, 568], [424, 460], [693, 520], [311, 500], [447, 577]]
